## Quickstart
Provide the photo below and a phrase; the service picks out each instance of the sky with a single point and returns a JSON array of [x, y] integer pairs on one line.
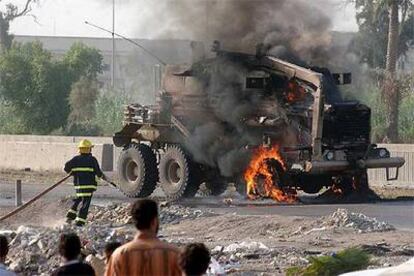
[[133, 18]]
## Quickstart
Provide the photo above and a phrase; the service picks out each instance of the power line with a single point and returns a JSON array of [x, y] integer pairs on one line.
[[129, 40]]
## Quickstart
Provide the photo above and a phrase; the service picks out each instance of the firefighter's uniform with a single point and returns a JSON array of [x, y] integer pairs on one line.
[[84, 168]]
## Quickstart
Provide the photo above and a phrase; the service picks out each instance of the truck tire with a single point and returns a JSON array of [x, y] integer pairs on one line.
[[179, 176], [137, 170]]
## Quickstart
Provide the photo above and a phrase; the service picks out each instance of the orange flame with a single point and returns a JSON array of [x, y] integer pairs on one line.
[[258, 167]]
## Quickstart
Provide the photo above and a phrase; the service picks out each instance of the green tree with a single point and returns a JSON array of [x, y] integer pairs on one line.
[[38, 86], [383, 37], [83, 61], [109, 111], [84, 64]]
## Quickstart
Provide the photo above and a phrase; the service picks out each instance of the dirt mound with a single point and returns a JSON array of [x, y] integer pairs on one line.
[[42, 213]]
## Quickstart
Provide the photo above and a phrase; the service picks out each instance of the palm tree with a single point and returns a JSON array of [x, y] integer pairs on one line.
[[390, 88]]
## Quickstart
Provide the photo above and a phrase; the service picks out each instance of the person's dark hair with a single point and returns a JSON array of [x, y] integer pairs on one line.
[[143, 212], [110, 248], [69, 246], [195, 259], [4, 246]]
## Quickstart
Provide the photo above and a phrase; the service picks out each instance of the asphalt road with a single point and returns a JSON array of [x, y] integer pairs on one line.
[[398, 213]]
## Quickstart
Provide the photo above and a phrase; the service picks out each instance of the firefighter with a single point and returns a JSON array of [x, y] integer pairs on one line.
[[84, 168]]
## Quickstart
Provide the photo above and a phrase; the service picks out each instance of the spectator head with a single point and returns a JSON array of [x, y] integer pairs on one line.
[[4, 248], [144, 214], [110, 248], [195, 259], [69, 246]]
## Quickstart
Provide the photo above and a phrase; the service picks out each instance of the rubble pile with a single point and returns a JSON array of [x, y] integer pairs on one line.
[[34, 249], [357, 221], [118, 214], [173, 214], [235, 256]]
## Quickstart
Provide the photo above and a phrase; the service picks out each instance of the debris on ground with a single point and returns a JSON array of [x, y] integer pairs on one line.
[[357, 221], [34, 249], [119, 214], [234, 247]]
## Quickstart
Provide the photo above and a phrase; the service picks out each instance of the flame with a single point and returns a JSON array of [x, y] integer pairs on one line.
[[295, 92], [259, 167]]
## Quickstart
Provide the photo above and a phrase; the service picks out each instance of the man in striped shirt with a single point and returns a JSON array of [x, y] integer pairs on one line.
[[145, 254], [84, 168]]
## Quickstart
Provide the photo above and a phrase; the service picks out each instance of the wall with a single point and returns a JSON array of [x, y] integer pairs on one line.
[[51, 152], [48, 153]]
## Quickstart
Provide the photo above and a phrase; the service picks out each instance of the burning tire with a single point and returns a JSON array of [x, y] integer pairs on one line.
[[179, 176], [137, 170]]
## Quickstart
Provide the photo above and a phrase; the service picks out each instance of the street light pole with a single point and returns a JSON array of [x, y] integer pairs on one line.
[[113, 46]]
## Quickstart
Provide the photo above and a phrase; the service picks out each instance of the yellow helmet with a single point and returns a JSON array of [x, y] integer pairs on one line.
[[85, 146]]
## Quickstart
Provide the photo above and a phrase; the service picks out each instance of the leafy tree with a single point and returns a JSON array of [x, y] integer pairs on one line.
[[9, 14], [370, 43], [383, 37], [83, 61], [38, 86], [109, 111], [35, 85]]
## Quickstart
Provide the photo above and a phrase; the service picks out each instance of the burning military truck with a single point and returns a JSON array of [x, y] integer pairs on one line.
[[270, 126]]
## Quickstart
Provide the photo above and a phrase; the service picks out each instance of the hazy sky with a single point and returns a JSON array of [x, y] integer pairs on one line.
[[134, 18]]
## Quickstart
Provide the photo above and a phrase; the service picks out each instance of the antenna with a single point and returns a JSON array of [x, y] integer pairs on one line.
[[129, 40]]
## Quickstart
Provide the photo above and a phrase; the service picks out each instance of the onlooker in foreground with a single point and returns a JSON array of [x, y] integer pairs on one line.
[[146, 254], [69, 249], [195, 259], [4, 250], [109, 249]]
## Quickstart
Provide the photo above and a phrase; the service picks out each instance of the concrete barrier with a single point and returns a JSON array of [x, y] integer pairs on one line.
[[48, 153]]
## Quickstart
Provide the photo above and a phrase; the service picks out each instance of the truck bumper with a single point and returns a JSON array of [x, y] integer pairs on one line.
[[318, 167]]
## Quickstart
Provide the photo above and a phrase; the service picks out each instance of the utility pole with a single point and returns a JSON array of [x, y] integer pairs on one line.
[[113, 46]]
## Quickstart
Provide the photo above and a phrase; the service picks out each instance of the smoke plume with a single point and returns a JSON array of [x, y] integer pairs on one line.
[[289, 27], [296, 30]]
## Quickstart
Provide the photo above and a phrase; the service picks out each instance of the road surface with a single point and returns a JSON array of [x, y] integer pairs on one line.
[[398, 213]]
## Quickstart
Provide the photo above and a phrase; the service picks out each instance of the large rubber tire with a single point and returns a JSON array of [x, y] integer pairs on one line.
[[137, 170], [179, 176]]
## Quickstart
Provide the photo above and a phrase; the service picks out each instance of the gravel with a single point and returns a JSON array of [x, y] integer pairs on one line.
[[118, 214], [357, 221], [34, 248]]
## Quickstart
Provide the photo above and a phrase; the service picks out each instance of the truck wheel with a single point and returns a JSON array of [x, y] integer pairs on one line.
[[137, 170], [179, 176]]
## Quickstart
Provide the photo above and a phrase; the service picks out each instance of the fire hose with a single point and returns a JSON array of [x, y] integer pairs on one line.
[[17, 210]]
